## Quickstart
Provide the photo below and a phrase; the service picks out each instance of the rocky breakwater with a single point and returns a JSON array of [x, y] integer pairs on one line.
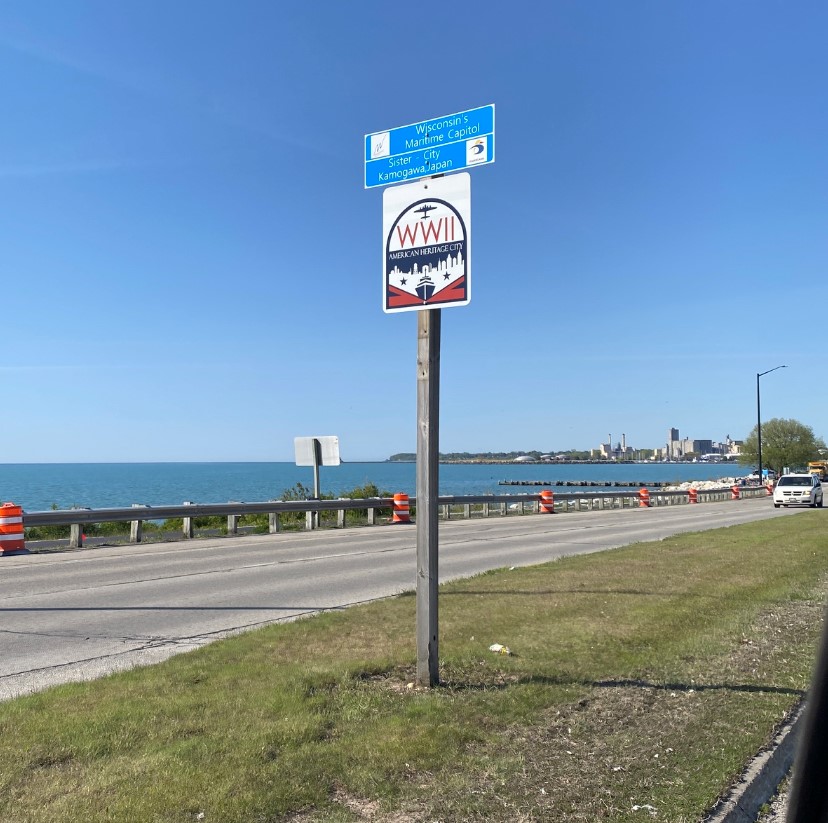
[[706, 485]]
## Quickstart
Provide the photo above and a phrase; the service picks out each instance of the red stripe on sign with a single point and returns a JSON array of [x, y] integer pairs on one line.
[[398, 298], [456, 291]]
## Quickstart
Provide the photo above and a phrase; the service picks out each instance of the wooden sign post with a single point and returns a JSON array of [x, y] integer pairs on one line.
[[428, 465]]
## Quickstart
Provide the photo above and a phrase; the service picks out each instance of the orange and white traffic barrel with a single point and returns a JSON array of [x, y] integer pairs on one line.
[[12, 536], [734, 492], [643, 499], [693, 495], [547, 502], [769, 487], [402, 513]]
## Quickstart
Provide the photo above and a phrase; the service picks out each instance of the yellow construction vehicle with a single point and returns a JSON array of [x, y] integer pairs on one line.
[[819, 468]]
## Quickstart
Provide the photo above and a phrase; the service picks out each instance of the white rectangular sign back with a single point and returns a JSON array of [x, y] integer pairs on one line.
[[305, 448]]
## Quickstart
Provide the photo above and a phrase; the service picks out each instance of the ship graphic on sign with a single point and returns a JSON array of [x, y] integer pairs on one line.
[[426, 257], [425, 288]]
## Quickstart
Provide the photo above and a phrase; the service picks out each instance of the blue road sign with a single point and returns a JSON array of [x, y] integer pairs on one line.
[[438, 146]]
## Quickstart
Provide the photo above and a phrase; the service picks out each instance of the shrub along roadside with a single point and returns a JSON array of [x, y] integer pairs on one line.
[[644, 676]]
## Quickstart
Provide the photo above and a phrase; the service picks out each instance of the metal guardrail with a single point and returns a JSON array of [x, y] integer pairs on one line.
[[464, 506]]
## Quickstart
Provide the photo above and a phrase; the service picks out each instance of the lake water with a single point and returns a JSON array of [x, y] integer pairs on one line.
[[37, 487]]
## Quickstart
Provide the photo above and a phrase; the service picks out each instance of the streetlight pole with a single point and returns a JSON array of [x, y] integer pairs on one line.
[[759, 418]]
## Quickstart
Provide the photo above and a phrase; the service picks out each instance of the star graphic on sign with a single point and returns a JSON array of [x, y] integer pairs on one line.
[[446, 276], [403, 281]]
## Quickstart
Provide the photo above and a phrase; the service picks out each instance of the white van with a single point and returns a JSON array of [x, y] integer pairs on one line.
[[798, 490]]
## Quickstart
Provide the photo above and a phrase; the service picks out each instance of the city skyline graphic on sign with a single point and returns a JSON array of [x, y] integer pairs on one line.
[[426, 257]]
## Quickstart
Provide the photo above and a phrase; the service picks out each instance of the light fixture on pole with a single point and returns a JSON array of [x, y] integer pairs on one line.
[[759, 418]]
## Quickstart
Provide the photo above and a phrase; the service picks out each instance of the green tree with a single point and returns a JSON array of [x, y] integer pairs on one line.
[[784, 443]]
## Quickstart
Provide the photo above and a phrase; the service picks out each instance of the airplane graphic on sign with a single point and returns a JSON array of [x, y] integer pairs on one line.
[[427, 244]]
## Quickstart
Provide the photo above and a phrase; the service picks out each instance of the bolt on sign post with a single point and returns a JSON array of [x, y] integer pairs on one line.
[[426, 254]]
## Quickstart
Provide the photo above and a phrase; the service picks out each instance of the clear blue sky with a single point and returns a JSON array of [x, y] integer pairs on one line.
[[192, 268]]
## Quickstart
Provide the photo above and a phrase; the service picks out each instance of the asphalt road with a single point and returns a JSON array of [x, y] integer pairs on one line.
[[83, 614]]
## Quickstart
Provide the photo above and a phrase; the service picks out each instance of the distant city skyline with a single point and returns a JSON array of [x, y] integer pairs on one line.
[[673, 448]]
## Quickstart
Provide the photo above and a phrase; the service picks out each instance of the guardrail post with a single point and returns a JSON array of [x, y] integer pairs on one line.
[[76, 536], [372, 516], [187, 523], [309, 521], [485, 510], [504, 509], [274, 524], [340, 516], [467, 511], [136, 527], [233, 522]]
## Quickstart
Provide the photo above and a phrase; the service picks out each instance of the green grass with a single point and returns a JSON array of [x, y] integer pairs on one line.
[[644, 675]]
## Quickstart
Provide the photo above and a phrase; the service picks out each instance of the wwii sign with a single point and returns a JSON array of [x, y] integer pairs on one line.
[[427, 244]]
